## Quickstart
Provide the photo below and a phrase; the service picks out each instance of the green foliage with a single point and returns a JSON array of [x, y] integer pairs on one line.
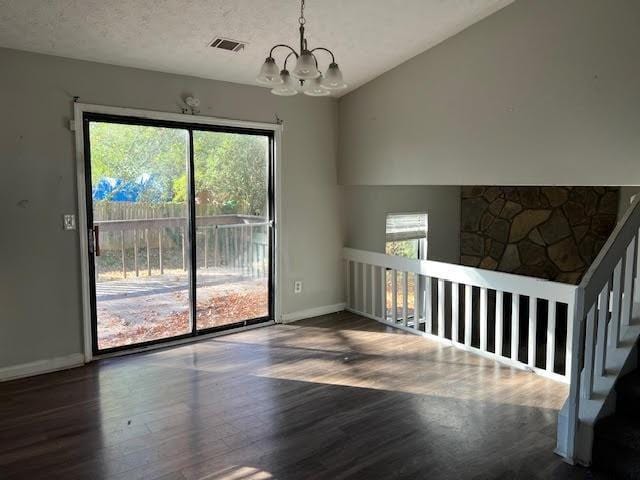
[[230, 169], [403, 248], [128, 151], [230, 206], [179, 189]]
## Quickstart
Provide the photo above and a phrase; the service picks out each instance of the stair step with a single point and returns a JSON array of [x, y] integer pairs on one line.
[[616, 442], [628, 395], [621, 430], [616, 447]]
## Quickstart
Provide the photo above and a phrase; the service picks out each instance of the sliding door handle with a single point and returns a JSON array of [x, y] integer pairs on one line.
[[94, 240]]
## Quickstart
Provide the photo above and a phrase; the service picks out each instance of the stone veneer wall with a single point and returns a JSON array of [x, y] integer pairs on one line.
[[547, 232]]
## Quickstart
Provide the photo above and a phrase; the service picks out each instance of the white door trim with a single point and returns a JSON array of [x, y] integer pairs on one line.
[[79, 110]]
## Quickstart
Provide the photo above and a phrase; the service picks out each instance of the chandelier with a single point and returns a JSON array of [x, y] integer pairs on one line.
[[308, 78]]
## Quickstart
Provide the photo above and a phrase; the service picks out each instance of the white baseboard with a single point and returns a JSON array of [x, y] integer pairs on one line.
[[312, 312], [41, 366], [77, 359]]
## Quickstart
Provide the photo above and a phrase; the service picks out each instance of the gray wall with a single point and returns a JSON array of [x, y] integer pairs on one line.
[[40, 297], [541, 92], [625, 199], [366, 209]]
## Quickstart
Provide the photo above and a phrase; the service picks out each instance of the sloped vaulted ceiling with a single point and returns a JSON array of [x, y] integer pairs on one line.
[[369, 37]]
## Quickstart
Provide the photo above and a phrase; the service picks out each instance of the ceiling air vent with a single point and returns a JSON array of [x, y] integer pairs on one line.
[[227, 44]]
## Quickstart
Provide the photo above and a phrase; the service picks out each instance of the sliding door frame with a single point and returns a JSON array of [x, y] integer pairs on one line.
[[192, 123]]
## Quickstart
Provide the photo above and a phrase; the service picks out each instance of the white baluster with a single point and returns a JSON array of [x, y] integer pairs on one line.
[[551, 336], [364, 288], [569, 346], [601, 338], [405, 298], [373, 290], [637, 270], [455, 312], [483, 319], [441, 329], [627, 296], [515, 326], [587, 384], [533, 328], [616, 299], [348, 282], [356, 285], [468, 307], [417, 306], [394, 296], [428, 302], [499, 322], [383, 293]]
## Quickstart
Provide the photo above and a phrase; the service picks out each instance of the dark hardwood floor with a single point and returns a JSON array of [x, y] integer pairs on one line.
[[334, 397]]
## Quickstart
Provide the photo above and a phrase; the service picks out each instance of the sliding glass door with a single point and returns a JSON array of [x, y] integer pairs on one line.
[[180, 229], [232, 227]]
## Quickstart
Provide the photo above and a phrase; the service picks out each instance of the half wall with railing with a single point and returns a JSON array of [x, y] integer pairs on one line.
[[522, 321], [582, 335]]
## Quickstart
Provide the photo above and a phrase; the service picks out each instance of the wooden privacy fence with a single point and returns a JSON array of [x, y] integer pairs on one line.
[[108, 210], [238, 242], [478, 310]]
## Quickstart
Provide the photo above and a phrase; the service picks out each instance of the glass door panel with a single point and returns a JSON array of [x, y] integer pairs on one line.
[[233, 242], [140, 235]]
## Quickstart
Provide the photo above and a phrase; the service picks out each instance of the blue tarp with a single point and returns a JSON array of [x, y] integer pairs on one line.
[[119, 190]]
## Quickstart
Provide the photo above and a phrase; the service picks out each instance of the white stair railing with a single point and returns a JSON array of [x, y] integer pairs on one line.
[[604, 333], [443, 308]]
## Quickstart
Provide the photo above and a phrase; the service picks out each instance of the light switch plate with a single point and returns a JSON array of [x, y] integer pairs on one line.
[[69, 222]]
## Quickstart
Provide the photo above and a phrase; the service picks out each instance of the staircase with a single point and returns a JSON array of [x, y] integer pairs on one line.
[[606, 328], [616, 445]]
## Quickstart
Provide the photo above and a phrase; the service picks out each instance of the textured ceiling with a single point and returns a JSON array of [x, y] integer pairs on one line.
[[368, 37]]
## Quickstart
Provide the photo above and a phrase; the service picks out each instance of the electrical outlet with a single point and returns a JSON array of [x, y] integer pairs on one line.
[[297, 286], [69, 221]]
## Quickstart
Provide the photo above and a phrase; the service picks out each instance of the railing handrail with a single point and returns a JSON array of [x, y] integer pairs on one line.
[[522, 285], [233, 243], [590, 325], [218, 221], [614, 248]]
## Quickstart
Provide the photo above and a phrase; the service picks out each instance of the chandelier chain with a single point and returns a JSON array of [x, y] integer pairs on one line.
[[302, 20]]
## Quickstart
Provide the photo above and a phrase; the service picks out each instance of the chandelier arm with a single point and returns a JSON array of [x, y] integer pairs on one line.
[[287, 59], [333, 58], [285, 46]]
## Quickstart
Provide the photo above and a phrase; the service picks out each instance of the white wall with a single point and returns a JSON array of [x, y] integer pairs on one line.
[[40, 297], [366, 209], [541, 92]]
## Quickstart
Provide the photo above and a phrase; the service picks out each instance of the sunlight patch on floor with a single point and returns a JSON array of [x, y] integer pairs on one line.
[[238, 473]]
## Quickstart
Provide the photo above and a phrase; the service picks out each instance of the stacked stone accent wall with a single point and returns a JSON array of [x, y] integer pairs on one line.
[[546, 232]]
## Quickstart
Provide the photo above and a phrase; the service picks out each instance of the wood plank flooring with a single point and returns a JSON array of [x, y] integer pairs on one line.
[[333, 397]]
